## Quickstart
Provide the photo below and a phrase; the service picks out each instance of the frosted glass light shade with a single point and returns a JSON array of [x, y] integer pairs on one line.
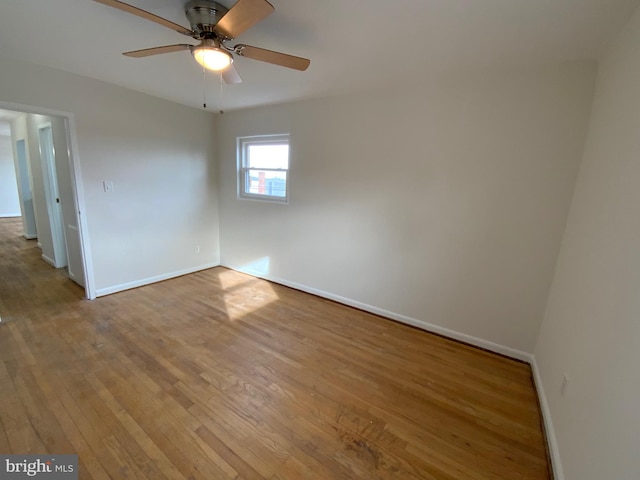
[[212, 58]]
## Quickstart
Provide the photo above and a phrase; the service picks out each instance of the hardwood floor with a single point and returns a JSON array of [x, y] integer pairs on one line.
[[218, 375]]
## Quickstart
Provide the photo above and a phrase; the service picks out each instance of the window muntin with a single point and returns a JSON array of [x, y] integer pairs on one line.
[[264, 167]]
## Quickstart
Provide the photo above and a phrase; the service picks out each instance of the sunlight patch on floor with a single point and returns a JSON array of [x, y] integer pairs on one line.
[[230, 279], [244, 294]]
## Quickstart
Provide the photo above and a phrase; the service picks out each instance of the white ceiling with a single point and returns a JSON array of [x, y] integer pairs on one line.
[[352, 44]]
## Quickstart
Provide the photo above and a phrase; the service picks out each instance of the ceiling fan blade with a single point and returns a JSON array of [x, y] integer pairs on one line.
[[147, 52], [230, 75], [242, 16], [269, 56], [125, 7]]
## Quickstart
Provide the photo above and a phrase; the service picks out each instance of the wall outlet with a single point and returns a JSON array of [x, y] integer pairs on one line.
[[564, 385], [197, 249]]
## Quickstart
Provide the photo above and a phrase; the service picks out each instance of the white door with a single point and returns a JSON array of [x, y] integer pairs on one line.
[[52, 195], [68, 201]]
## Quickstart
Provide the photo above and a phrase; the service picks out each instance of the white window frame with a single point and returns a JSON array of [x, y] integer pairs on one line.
[[243, 144]]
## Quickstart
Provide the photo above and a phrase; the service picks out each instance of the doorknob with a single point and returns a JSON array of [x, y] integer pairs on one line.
[[57, 200]]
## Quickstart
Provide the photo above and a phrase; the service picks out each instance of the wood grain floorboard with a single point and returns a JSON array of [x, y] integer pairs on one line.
[[219, 375]]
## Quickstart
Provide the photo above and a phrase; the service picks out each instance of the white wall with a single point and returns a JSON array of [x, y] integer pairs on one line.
[[591, 331], [160, 157], [9, 201], [444, 203]]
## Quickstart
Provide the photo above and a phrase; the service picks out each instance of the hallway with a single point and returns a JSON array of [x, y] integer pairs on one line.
[[25, 279]]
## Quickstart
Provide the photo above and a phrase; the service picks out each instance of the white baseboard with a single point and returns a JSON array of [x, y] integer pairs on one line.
[[51, 262], [48, 260], [552, 441], [30, 237], [421, 324], [529, 358], [101, 292], [10, 215]]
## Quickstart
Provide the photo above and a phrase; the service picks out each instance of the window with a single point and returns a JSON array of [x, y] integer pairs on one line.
[[263, 168]]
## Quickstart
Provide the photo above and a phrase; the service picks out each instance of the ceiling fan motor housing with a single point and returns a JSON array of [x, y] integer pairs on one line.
[[203, 15]]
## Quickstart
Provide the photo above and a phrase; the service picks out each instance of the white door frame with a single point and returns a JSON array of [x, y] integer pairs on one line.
[[76, 183]]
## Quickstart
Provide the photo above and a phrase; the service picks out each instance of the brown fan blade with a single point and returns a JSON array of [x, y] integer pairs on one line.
[[242, 16], [147, 52], [125, 7], [269, 56], [230, 75]]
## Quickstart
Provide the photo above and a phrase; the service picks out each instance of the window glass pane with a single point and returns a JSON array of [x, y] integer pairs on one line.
[[263, 164], [268, 156], [260, 182]]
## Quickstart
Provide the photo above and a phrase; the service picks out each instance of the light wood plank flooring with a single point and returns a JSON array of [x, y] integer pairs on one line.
[[218, 375]]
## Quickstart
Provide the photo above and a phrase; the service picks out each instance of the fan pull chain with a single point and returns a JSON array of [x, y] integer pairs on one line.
[[220, 86], [204, 87]]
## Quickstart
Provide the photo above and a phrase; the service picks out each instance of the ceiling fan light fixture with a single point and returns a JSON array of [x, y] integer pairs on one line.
[[212, 58]]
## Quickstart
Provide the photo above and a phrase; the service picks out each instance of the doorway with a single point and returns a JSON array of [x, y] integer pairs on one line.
[[50, 188]]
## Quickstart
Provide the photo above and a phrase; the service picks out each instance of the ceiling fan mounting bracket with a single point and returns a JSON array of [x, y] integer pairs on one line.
[[203, 16]]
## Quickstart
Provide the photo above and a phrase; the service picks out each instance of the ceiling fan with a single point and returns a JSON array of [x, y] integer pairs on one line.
[[213, 25]]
